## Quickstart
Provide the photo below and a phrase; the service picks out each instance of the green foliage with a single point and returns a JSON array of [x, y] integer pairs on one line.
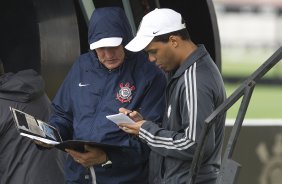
[[266, 102]]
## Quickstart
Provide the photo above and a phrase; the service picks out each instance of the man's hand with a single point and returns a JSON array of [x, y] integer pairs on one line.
[[134, 115], [92, 156], [131, 128]]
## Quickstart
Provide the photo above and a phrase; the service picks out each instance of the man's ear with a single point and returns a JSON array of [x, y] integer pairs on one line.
[[174, 41]]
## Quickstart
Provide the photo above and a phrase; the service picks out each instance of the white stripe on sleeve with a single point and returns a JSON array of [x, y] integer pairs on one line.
[[190, 132]]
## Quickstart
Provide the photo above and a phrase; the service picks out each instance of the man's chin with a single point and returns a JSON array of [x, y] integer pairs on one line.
[[162, 68], [112, 66]]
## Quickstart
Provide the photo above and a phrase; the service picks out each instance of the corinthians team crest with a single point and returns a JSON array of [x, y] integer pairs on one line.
[[125, 92]]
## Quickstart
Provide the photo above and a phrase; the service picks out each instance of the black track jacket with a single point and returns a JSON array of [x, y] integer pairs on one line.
[[192, 94], [20, 160]]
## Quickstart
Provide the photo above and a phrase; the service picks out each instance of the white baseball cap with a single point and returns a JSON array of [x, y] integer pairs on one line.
[[106, 42], [157, 22]]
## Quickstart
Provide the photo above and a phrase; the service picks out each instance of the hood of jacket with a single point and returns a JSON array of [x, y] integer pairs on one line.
[[22, 86], [109, 22]]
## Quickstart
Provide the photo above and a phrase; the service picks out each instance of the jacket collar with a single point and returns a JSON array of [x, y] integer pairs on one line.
[[191, 59]]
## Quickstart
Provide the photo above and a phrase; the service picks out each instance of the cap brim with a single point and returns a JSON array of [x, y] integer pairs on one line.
[[138, 43], [106, 42]]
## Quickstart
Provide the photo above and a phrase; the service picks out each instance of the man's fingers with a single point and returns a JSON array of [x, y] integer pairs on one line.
[[92, 156], [136, 116], [78, 157], [127, 125], [122, 110], [89, 148], [125, 111], [127, 130], [74, 154]]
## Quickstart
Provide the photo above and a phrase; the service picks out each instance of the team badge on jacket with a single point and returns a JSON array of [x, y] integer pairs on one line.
[[125, 92]]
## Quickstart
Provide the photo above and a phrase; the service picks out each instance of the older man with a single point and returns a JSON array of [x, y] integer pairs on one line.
[[101, 81]]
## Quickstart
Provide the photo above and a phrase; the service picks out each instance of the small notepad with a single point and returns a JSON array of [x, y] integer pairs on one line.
[[120, 118]]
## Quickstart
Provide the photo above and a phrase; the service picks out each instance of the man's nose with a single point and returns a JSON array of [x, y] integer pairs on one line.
[[152, 58], [109, 52]]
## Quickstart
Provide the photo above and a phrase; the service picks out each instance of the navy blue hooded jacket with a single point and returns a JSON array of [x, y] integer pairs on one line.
[[90, 92]]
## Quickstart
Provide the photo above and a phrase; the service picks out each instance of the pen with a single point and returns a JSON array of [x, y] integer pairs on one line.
[[137, 110], [136, 114]]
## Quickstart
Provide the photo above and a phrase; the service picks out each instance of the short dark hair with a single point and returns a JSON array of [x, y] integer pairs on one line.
[[183, 34]]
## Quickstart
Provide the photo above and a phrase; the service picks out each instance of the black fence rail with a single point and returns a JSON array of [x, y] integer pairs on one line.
[[264, 81]]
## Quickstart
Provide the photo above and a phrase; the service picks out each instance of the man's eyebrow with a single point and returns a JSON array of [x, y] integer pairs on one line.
[[146, 50]]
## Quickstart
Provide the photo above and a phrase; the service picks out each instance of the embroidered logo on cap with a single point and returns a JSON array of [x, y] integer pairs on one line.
[[155, 32], [125, 92]]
